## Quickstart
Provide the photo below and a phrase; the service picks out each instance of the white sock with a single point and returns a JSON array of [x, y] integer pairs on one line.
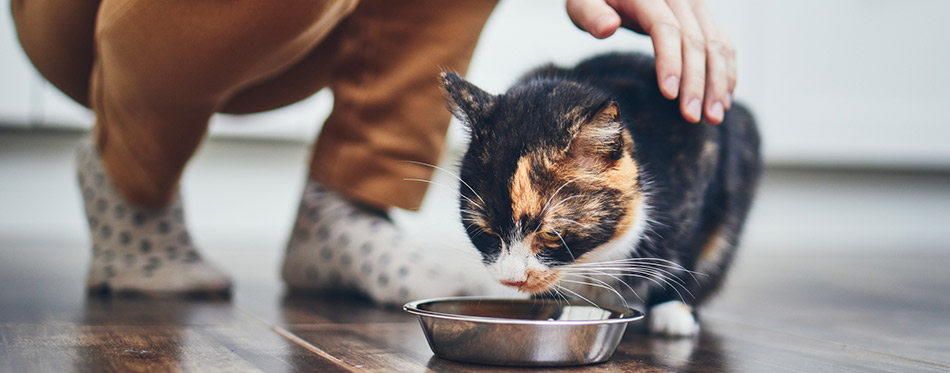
[[337, 244], [141, 250]]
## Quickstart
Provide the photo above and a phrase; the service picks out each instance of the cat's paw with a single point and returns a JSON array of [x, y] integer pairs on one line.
[[673, 319]]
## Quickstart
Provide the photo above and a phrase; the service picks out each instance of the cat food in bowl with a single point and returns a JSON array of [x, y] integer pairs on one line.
[[521, 332]]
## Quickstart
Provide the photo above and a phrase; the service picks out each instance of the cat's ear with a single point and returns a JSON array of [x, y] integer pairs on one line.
[[601, 136], [468, 103]]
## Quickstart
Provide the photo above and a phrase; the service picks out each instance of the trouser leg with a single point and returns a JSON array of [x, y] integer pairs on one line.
[[163, 68], [57, 36], [387, 105]]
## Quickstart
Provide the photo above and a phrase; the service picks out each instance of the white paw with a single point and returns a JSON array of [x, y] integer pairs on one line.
[[673, 319]]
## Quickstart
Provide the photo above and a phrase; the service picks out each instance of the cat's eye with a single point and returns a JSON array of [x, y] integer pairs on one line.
[[550, 236]]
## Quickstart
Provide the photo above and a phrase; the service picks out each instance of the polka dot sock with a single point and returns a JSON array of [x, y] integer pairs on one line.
[[139, 250], [337, 244]]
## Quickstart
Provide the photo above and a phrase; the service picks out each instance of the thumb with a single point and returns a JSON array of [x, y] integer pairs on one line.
[[594, 16]]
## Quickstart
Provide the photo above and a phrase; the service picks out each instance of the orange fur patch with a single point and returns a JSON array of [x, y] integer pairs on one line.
[[635, 199], [712, 249], [540, 281], [525, 200], [623, 177]]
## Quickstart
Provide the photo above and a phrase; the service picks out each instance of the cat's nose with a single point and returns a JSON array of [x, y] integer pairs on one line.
[[514, 284]]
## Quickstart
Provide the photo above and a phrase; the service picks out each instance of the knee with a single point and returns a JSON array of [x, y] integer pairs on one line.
[[57, 39], [214, 49]]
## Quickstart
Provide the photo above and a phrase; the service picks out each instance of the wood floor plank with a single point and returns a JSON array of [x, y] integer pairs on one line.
[[733, 347], [44, 305], [274, 304], [891, 304], [722, 347], [49, 324], [139, 348]]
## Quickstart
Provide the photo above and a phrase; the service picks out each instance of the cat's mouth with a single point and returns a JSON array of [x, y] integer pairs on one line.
[[536, 281]]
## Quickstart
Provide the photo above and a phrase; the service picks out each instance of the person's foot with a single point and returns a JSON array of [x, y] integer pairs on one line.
[[139, 250], [339, 245]]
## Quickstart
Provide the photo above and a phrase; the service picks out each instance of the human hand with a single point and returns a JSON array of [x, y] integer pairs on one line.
[[694, 60]]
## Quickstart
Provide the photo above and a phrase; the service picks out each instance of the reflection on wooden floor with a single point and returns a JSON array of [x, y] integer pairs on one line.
[[878, 312]]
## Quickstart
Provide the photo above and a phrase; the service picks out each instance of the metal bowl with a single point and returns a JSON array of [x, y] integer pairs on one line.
[[522, 332]]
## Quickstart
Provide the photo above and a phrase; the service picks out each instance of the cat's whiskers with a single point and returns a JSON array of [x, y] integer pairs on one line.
[[456, 176], [655, 262], [601, 273], [596, 285], [644, 277], [672, 282], [470, 223], [565, 245], [570, 198], [659, 262], [546, 204], [446, 187], [562, 295], [597, 280], [599, 284], [472, 212], [640, 269], [652, 269], [638, 273], [658, 271], [576, 294], [554, 290], [571, 221], [541, 214]]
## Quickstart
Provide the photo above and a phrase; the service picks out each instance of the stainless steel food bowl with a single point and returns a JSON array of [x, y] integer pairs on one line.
[[523, 332]]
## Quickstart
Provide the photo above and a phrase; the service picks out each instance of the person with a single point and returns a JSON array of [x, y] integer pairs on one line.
[[154, 73]]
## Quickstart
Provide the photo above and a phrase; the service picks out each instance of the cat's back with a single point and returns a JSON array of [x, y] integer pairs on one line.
[[686, 159]]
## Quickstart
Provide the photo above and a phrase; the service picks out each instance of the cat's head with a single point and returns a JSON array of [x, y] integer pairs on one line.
[[548, 179]]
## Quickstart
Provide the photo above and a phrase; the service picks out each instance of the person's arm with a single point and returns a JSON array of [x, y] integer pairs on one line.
[[694, 59]]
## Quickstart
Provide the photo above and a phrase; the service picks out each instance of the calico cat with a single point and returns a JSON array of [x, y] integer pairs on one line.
[[587, 179]]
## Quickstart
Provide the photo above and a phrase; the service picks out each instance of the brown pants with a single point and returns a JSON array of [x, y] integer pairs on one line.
[[155, 71]]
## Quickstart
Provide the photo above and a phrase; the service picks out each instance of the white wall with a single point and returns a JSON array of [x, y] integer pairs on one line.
[[19, 86], [861, 82], [845, 82]]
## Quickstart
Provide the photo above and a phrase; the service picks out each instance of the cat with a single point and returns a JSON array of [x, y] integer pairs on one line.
[[576, 179]]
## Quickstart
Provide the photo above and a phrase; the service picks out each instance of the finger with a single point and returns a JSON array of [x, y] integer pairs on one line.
[[657, 20], [593, 16], [732, 78], [716, 87], [693, 88], [721, 54], [731, 73]]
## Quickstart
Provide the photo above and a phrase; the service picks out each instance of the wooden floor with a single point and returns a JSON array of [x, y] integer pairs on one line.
[[879, 312], [839, 272]]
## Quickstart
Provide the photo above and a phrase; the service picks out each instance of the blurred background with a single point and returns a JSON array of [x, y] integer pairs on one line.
[[850, 95]]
